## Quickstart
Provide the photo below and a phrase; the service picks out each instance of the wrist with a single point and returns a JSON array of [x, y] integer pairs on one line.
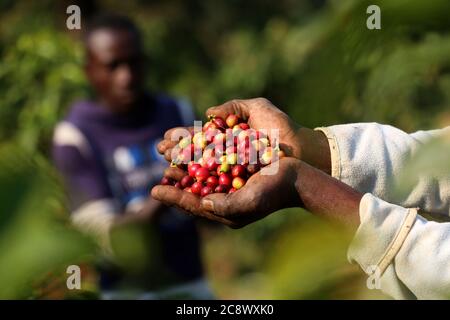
[[296, 175], [327, 197], [314, 149], [301, 187]]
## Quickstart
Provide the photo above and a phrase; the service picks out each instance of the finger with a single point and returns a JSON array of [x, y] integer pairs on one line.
[[218, 203], [173, 196], [176, 133], [186, 201], [216, 218], [238, 107], [166, 144], [223, 207], [241, 203], [172, 154], [174, 173]]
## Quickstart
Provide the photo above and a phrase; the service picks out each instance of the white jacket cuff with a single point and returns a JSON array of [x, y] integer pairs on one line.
[[381, 233]]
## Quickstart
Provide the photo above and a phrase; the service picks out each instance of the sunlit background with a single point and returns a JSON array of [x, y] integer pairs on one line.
[[315, 59]]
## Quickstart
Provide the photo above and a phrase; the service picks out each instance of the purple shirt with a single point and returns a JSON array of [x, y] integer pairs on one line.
[[124, 164]]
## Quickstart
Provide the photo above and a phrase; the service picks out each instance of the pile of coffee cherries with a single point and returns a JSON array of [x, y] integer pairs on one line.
[[221, 157]]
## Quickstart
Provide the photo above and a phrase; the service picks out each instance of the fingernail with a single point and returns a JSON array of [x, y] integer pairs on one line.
[[208, 205]]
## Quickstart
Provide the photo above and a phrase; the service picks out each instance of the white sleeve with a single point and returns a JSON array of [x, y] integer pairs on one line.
[[370, 157], [411, 253]]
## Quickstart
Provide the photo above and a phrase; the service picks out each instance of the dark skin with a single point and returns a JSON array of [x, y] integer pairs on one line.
[[302, 179], [298, 142], [114, 69]]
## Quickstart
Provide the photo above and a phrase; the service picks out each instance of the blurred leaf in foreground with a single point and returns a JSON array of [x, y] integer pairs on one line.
[[430, 163], [35, 237], [315, 265]]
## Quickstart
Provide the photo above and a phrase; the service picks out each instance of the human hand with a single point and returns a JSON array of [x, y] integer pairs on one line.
[[296, 141], [261, 195]]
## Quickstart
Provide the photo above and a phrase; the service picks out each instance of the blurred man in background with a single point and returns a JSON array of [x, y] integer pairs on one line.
[[106, 151]]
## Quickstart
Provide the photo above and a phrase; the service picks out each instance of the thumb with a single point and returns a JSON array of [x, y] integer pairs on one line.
[[217, 203], [238, 107]]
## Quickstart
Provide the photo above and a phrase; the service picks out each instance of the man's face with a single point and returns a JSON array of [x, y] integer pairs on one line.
[[114, 68]]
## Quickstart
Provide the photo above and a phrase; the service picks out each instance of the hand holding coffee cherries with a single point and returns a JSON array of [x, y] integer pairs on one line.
[[261, 195], [296, 141], [290, 183], [221, 156]]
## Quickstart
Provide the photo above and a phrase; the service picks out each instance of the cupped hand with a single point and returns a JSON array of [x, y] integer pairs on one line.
[[296, 141], [260, 114], [260, 196]]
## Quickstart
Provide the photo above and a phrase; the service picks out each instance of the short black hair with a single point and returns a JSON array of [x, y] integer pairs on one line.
[[112, 22]]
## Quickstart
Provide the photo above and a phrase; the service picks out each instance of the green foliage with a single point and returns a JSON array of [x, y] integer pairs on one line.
[[430, 162], [322, 66], [320, 254], [317, 62], [35, 237], [40, 74]]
